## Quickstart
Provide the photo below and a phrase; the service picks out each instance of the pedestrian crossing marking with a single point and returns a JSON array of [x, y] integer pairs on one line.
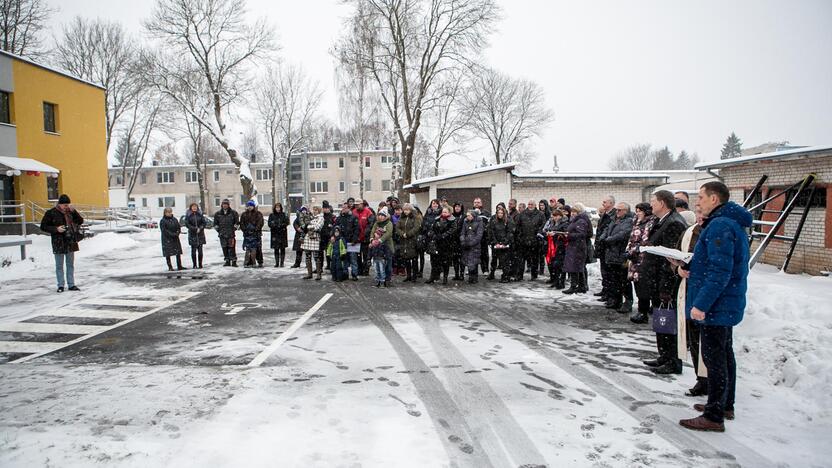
[[36, 349], [66, 329]]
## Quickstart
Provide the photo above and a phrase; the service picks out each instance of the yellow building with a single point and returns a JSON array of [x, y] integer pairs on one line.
[[52, 136]]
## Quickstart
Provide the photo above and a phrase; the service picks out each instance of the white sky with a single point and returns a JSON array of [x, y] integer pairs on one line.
[[682, 74]]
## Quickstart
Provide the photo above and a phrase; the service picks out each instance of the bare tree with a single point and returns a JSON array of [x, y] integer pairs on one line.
[[633, 158], [446, 123], [408, 45], [209, 50], [287, 101], [141, 121], [21, 22], [358, 97], [505, 111], [103, 53]]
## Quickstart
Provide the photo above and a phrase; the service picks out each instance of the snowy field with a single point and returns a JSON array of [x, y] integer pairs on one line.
[[491, 375]]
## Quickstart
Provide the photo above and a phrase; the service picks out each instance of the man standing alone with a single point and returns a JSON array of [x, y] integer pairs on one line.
[[717, 283], [63, 223]]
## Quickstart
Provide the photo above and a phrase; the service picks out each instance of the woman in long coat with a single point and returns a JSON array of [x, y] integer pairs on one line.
[[458, 215], [638, 237], [278, 224], [297, 225], [577, 233], [408, 228], [443, 236], [170, 229], [470, 239], [195, 223], [428, 218]]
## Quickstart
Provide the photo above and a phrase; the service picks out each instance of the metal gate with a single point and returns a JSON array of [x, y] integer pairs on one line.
[[466, 196]]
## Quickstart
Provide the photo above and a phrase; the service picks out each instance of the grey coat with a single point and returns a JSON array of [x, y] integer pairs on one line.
[[470, 238], [615, 240]]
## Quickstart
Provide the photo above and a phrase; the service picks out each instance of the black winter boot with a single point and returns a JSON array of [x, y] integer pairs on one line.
[[573, 284]]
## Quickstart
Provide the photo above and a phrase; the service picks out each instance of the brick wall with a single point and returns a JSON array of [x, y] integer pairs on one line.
[[813, 252], [589, 194]]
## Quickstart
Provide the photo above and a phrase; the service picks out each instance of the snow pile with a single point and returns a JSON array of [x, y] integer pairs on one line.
[[786, 337]]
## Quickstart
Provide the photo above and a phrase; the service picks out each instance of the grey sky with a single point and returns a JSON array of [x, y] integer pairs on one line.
[[682, 74]]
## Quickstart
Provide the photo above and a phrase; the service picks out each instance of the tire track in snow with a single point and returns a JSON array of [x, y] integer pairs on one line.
[[440, 406], [622, 390]]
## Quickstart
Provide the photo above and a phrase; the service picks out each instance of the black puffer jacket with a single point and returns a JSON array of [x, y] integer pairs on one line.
[[278, 222], [226, 222], [500, 232], [349, 227], [195, 224], [62, 242], [529, 224]]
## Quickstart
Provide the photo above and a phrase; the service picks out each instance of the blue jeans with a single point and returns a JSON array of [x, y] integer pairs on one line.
[[352, 257], [339, 268], [380, 266], [69, 258]]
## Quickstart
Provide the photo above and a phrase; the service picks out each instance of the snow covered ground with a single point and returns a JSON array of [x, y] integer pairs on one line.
[[488, 376]]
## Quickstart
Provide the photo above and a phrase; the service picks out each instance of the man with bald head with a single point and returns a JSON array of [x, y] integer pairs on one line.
[[607, 212]]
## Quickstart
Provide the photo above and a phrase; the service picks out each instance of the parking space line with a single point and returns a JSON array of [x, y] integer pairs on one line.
[[125, 302], [41, 348], [260, 358], [29, 346], [67, 329], [92, 313]]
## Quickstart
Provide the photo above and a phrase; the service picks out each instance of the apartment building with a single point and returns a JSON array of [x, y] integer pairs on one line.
[[52, 135], [314, 176]]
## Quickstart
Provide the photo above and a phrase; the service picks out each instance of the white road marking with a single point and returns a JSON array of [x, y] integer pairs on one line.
[[27, 327], [38, 349], [93, 313], [125, 302], [234, 308], [260, 358], [29, 347]]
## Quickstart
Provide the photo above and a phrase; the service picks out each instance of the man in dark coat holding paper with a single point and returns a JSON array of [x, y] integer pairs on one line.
[[661, 278]]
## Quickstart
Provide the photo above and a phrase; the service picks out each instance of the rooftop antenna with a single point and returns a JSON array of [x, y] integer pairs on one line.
[[555, 167]]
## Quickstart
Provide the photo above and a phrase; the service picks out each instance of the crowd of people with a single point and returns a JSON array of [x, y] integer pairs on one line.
[[698, 301]]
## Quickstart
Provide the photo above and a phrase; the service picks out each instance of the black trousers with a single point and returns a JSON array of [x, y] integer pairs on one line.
[[439, 264], [484, 255], [694, 331], [298, 257], [364, 259], [605, 273], [531, 257], [229, 248], [196, 255], [665, 343], [718, 356], [616, 282]]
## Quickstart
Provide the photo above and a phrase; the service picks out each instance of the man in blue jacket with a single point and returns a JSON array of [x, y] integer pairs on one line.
[[717, 283]]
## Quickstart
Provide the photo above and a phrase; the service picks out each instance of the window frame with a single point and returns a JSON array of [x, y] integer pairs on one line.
[[160, 177], [52, 188], [193, 175], [318, 163], [216, 175], [6, 107], [54, 114], [323, 185]]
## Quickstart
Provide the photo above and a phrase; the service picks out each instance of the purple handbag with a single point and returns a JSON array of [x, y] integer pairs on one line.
[[664, 319]]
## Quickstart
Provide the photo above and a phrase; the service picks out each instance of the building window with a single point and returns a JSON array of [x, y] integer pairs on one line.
[[317, 163], [354, 158], [385, 185], [144, 202], [818, 198], [387, 160], [191, 177], [164, 177], [342, 186], [217, 201], [52, 188], [264, 199], [263, 174], [319, 187], [119, 181], [229, 171], [5, 107], [341, 162], [143, 178], [368, 185], [167, 202], [355, 182], [367, 161], [216, 176], [50, 112]]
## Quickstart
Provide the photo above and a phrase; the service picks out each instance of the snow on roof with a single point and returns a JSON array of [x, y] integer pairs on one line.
[[478, 170], [351, 152], [48, 68], [808, 151], [597, 174], [26, 164]]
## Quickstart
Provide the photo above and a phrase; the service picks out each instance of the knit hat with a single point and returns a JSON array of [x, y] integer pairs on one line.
[[64, 200], [251, 203], [303, 209], [325, 204], [383, 212], [226, 201]]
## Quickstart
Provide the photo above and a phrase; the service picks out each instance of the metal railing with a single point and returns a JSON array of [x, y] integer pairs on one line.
[[110, 217], [15, 211]]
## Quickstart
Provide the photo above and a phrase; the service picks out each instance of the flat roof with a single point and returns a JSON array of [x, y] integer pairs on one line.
[[797, 153], [479, 170], [48, 68], [598, 174]]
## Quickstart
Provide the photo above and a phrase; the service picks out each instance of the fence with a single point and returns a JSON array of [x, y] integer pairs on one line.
[[16, 212]]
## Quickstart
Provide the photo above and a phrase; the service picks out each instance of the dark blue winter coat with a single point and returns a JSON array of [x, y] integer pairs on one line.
[[719, 268]]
